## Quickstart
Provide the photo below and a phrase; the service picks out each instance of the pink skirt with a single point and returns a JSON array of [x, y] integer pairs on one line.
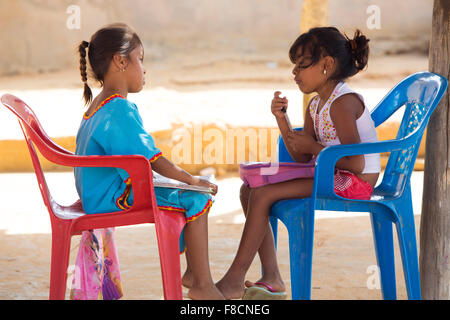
[[348, 185]]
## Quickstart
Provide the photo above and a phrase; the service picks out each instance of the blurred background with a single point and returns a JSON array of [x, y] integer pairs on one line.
[[38, 38], [211, 65]]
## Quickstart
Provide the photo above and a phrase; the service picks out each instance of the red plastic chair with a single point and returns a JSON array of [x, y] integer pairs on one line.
[[67, 221]]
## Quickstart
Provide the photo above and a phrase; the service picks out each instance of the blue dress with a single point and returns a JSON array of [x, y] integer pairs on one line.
[[116, 128]]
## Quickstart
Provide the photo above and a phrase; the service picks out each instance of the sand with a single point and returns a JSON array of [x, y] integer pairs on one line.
[[343, 265]]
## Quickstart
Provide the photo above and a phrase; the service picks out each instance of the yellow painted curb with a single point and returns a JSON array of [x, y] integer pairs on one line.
[[192, 148], [15, 157]]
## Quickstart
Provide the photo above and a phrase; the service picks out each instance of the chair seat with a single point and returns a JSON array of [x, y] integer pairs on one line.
[[73, 211], [286, 207], [381, 194]]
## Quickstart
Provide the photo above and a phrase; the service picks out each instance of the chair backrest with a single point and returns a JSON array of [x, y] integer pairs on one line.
[[137, 166], [31, 127], [419, 93]]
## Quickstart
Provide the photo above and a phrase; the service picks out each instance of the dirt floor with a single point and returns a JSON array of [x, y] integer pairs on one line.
[[343, 264]]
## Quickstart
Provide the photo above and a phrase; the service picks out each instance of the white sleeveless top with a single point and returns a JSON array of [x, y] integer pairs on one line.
[[326, 132]]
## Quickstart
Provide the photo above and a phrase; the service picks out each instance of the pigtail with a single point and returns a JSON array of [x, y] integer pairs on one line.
[[87, 93], [359, 47]]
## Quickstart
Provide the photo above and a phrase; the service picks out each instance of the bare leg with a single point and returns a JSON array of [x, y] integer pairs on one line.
[[266, 252], [196, 238], [188, 278], [256, 229]]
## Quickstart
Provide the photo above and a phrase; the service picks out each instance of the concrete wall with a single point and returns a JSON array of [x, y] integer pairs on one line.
[[404, 25], [34, 36]]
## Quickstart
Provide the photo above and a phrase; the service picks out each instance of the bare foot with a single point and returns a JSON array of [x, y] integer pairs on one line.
[[188, 279], [205, 293], [229, 290]]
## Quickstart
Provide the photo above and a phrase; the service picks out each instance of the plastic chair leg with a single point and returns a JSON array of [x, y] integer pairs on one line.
[[274, 224], [59, 261], [406, 232], [301, 237], [169, 254], [170, 270], [384, 251]]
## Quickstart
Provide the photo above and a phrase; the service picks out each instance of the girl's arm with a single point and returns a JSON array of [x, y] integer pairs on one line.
[[304, 154], [297, 155], [168, 169], [344, 112]]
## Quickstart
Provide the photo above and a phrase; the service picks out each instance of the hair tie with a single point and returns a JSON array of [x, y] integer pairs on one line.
[[352, 44]]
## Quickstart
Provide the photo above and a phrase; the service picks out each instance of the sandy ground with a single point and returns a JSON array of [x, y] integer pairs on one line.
[[343, 265], [225, 91]]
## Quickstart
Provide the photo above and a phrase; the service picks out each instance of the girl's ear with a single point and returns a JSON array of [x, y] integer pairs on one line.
[[330, 63], [120, 62]]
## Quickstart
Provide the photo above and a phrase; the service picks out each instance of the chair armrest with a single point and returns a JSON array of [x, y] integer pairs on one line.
[[137, 166], [327, 158]]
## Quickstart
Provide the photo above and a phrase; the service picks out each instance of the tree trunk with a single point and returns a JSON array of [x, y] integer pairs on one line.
[[314, 14], [435, 218]]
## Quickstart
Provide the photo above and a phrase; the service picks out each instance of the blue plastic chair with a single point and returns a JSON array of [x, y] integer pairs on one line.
[[390, 202]]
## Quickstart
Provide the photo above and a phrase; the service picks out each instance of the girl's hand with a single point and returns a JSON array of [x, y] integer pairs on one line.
[[278, 104], [204, 183], [300, 142]]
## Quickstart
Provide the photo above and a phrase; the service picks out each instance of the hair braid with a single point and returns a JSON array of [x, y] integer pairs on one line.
[[87, 94]]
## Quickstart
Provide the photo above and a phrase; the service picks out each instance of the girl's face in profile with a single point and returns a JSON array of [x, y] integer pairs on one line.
[[307, 75], [135, 70]]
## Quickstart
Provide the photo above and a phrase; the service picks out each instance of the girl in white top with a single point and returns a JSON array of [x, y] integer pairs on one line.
[[325, 130], [323, 59]]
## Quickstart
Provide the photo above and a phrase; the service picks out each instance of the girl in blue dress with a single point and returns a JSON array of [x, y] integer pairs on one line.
[[112, 126]]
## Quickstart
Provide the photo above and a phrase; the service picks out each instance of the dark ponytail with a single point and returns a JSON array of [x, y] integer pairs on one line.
[[359, 48], [117, 38], [87, 93], [351, 55]]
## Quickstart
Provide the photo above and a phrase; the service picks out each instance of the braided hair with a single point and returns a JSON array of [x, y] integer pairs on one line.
[[117, 38], [87, 93]]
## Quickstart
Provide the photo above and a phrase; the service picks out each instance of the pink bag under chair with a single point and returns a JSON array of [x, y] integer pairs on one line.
[[258, 174]]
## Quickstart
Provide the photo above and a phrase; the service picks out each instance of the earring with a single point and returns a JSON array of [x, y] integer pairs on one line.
[[325, 71]]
